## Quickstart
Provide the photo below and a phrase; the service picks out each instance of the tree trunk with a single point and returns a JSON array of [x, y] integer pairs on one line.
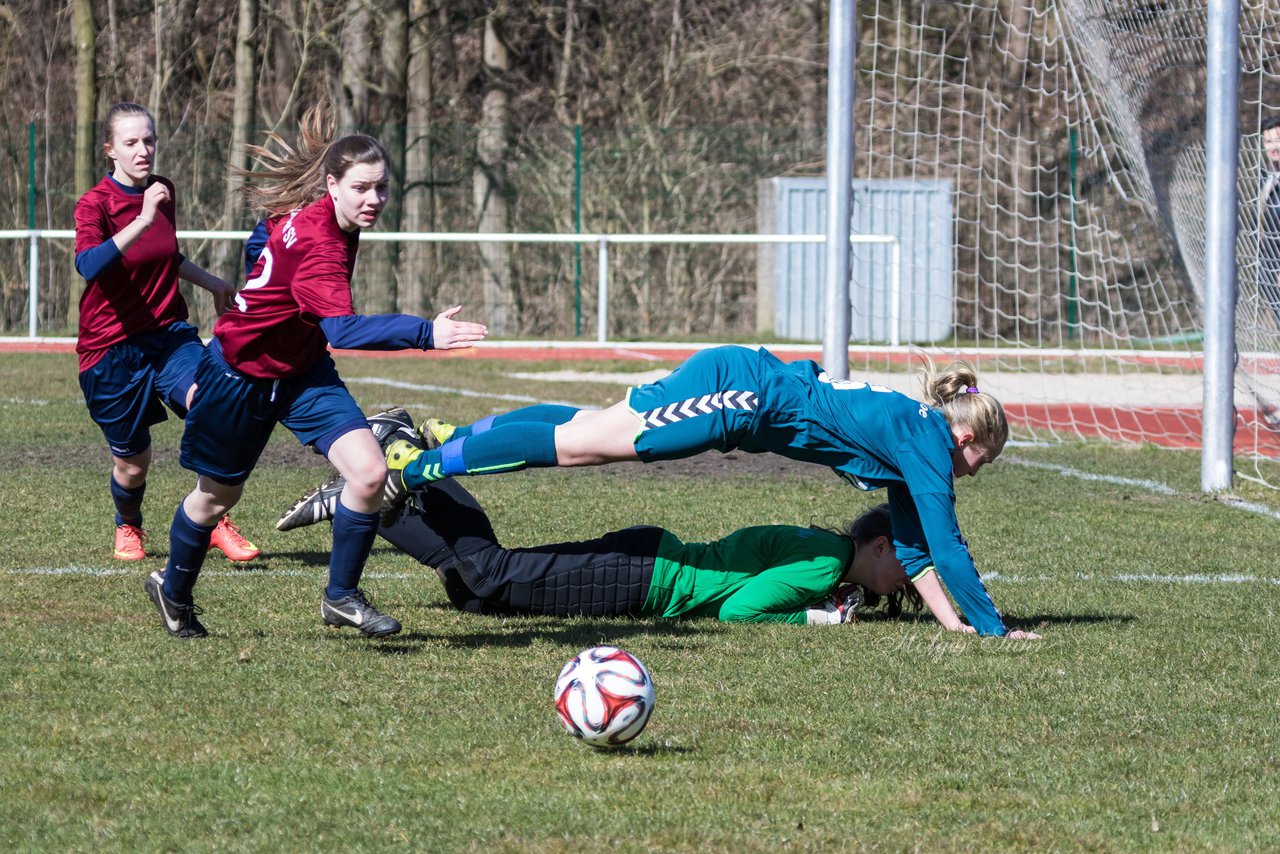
[[380, 290], [226, 253], [565, 60], [815, 101], [415, 258], [86, 151], [159, 62], [353, 99], [490, 192]]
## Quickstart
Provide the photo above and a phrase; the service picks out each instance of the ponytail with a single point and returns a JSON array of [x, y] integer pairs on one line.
[[294, 176], [956, 393]]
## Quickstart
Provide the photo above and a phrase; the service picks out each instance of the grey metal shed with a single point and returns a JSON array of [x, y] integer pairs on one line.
[[790, 275]]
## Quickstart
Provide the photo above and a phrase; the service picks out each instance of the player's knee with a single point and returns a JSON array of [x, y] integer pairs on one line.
[[368, 479], [131, 472]]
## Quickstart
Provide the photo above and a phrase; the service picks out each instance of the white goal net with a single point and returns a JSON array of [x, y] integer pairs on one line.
[[1074, 135]]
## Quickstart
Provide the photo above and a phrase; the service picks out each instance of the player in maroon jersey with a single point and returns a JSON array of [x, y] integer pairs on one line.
[[269, 363], [137, 352]]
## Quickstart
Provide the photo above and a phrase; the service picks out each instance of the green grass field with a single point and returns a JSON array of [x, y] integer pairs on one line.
[[1146, 719]]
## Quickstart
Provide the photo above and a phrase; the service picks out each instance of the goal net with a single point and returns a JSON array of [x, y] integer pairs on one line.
[[1073, 132]]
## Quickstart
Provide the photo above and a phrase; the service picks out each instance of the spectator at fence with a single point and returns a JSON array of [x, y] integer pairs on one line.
[[137, 352], [1269, 219]]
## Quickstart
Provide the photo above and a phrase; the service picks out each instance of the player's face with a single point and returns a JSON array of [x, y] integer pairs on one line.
[[1271, 144], [359, 195], [887, 575], [133, 149], [969, 456]]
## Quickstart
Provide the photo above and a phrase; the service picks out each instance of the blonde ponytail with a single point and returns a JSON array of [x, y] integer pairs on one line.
[[956, 393]]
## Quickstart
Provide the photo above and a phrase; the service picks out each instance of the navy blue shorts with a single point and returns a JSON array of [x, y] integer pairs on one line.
[[708, 403], [233, 415], [126, 389]]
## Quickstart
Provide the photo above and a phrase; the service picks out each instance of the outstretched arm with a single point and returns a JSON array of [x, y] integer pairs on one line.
[[399, 332], [935, 599]]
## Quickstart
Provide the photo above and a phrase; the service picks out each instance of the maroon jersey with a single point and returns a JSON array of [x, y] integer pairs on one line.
[[272, 330], [139, 293]]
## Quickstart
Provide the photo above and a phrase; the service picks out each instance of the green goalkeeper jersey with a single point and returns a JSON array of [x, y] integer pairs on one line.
[[768, 573]]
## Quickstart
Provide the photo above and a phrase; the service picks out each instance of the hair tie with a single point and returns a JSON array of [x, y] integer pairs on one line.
[[973, 389]]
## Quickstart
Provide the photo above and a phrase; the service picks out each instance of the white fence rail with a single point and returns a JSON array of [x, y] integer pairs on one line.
[[601, 242]]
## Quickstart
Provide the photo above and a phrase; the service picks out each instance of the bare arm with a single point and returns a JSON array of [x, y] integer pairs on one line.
[[936, 600], [222, 290]]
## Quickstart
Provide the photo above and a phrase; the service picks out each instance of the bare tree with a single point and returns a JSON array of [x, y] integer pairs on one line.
[[356, 57], [86, 35], [242, 113], [490, 189], [392, 25], [415, 257]]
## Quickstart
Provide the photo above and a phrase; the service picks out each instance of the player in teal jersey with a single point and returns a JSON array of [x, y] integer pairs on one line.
[[767, 573], [736, 397]]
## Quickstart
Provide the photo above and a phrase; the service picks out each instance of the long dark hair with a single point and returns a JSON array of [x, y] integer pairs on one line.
[[863, 531]]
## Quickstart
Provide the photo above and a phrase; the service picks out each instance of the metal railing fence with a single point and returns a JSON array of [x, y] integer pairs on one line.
[[601, 242]]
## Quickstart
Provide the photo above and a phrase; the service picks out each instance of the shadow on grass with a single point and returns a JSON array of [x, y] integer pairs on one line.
[[1030, 621], [1026, 622], [646, 749], [517, 634]]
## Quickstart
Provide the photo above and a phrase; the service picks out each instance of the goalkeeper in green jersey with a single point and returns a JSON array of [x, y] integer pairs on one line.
[[768, 573]]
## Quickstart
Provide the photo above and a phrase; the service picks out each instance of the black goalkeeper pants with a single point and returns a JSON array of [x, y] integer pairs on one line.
[[445, 527]]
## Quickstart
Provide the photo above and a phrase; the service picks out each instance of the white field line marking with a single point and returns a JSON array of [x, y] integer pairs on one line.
[[461, 392], [1149, 485], [644, 357], [248, 572], [1121, 577], [1198, 578], [1241, 504], [628, 379]]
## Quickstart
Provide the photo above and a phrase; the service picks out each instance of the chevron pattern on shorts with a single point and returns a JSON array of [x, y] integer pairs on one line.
[[695, 406]]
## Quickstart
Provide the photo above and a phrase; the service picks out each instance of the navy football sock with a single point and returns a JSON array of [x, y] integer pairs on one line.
[[188, 545], [353, 536], [128, 502]]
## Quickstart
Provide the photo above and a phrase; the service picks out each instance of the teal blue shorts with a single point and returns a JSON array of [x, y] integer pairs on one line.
[[709, 403]]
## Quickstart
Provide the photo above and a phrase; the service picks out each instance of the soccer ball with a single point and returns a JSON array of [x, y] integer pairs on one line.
[[604, 696]]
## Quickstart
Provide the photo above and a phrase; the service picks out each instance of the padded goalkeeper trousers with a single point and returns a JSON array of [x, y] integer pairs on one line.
[[445, 527]]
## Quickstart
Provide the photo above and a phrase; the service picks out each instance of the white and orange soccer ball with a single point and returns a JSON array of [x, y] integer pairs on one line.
[[604, 696]]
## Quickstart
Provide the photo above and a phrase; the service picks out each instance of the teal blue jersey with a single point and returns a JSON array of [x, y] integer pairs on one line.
[[873, 437], [768, 573]]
